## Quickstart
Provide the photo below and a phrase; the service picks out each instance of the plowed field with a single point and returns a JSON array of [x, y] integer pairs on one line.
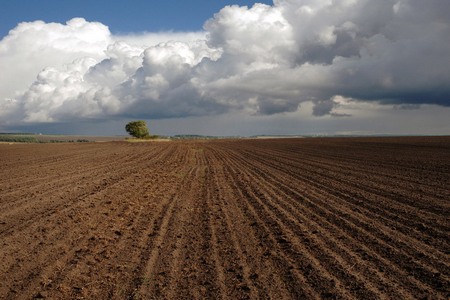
[[337, 218]]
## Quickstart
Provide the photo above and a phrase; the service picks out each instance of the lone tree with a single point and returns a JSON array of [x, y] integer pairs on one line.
[[138, 129]]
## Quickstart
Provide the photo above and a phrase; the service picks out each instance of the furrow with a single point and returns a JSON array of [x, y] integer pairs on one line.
[[282, 261], [384, 245], [357, 209]]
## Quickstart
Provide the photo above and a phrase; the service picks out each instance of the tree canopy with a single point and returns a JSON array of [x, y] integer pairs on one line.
[[138, 129]]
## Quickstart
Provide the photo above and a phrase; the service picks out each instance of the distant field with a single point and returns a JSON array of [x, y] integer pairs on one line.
[[37, 138], [322, 218]]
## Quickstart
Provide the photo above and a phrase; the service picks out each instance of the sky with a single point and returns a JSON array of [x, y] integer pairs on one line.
[[282, 67]]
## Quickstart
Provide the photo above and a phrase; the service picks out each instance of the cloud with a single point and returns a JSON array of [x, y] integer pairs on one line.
[[260, 60], [33, 46], [148, 39]]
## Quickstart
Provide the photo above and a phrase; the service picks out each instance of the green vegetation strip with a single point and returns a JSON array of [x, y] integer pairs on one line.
[[18, 138], [21, 138]]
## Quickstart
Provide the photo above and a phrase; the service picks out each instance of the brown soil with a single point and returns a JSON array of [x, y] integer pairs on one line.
[[353, 218]]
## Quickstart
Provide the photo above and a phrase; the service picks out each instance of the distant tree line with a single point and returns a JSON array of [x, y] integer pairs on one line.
[[30, 138]]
